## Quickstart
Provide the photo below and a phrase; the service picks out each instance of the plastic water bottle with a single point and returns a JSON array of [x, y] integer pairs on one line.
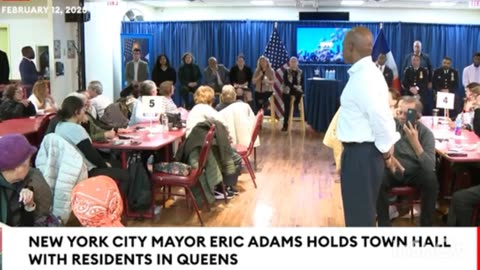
[[164, 122], [328, 74], [435, 118], [458, 126], [333, 74]]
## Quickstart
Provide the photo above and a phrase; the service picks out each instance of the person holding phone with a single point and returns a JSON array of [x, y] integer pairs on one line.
[[416, 152]]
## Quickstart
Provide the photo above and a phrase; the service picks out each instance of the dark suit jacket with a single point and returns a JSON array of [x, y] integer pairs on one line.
[[4, 68], [28, 73], [142, 72], [442, 80], [212, 80], [388, 74]]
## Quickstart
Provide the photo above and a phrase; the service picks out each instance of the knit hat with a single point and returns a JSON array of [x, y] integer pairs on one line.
[[96, 202], [14, 150]]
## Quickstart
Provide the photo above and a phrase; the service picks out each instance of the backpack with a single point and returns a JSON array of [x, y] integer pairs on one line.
[[139, 193], [114, 116]]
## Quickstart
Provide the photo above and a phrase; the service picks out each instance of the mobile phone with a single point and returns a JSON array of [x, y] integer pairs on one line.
[[412, 116], [121, 137]]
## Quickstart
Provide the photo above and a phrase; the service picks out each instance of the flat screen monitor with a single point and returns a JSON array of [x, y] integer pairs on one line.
[[320, 44]]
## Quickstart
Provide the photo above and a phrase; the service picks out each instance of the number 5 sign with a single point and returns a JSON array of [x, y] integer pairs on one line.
[[445, 100], [151, 104]]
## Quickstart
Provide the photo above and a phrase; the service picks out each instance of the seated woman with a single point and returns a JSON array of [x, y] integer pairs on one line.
[[470, 104], [16, 197], [147, 88], [40, 98], [203, 110], [223, 167], [14, 105], [292, 87], [71, 115], [98, 131], [227, 97], [166, 90]]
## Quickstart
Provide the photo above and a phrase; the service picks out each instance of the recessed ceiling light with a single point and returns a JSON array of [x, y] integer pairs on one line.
[[352, 3], [262, 3], [443, 4]]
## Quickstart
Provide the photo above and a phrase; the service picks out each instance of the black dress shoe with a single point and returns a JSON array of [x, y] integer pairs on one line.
[[284, 128]]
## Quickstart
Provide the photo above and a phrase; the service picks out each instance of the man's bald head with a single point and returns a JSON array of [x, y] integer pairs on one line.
[[357, 44]]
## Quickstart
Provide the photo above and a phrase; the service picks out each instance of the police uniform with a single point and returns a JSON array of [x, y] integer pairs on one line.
[[445, 79], [419, 79]]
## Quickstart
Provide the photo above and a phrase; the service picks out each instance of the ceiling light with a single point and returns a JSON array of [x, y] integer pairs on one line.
[[262, 3], [442, 4], [352, 3]]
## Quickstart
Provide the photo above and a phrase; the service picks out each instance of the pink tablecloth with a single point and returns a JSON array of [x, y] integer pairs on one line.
[[447, 142]]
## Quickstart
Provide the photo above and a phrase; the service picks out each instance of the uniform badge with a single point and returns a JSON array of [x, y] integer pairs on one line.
[[453, 77], [421, 75]]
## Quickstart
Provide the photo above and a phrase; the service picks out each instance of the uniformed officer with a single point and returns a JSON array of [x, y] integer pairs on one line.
[[445, 78], [424, 60], [415, 82]]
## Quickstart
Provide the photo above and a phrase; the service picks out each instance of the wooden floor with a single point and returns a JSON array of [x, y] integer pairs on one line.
[[296, 188]]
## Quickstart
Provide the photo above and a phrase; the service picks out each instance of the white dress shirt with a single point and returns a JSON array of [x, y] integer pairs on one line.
[[100, 102], [471, 74], [135, 71], [365, 115]]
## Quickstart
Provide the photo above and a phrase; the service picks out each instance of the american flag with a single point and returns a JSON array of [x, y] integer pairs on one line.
[[278, 56]]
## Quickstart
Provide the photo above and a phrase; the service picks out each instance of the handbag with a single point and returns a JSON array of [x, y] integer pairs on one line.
[[174, 168], [175, 119]]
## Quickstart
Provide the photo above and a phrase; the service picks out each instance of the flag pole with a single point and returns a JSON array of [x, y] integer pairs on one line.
[[381, 25], [275, 25]]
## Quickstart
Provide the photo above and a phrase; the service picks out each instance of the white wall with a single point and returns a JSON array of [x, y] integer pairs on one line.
[[63, 85], [25, 30], [102, 43], [291, 14]]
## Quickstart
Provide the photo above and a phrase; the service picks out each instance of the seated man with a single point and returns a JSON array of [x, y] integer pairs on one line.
[[463, 202], [416, 152]]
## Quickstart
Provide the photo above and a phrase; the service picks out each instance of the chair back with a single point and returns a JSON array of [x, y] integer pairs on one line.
[[43, 127], [256, 131], [203, 156]]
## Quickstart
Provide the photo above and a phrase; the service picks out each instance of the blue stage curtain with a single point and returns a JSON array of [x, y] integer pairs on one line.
[[226, 39]]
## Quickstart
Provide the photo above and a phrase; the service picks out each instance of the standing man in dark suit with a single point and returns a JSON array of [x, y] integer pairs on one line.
[[415, 82], [28, 70], [424, 61], [4, 68], [137, 69], [386, 71]]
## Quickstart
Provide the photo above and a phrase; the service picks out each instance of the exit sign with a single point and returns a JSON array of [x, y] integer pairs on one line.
[[474, 3]]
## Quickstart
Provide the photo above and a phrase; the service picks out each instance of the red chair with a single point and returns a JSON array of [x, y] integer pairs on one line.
[[245, 152], [43, 127], [410, 193], [165, 180], [475, 214]]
